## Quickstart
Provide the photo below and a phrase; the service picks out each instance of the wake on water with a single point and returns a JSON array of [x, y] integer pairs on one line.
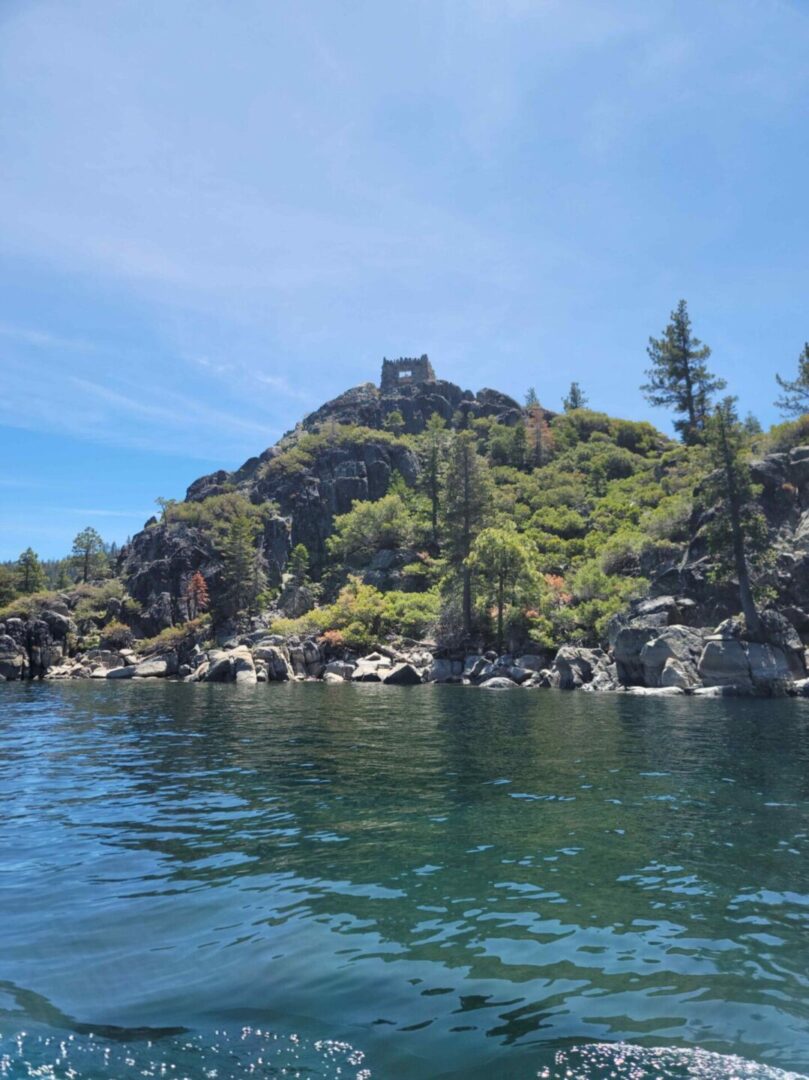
[[623, 1061], [255, 1053]]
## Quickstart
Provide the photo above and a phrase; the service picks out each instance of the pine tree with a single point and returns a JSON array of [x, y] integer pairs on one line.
[[434, 443], [30, 573], [88, 554], [298, 565], [531, 398], [243, 578], [794, 401], [196, 594], [679, 377], [576, 398], [503, 562], [737, 532], [62, 579], [466, 501]]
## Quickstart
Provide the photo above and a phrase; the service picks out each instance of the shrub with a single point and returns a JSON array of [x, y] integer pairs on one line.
[[173, 637], [784, 437], [24, 607], [369, 527], [116, 635]]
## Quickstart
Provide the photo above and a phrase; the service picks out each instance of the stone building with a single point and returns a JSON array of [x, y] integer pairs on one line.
[[407, 371]]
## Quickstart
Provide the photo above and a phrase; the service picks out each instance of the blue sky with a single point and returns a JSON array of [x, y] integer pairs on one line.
[[215, 216]]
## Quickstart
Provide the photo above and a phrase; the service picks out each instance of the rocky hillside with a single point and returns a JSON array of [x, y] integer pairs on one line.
[[341, 453], [601, 533]]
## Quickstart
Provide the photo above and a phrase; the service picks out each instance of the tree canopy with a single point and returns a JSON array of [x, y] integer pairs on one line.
[[679, 377]]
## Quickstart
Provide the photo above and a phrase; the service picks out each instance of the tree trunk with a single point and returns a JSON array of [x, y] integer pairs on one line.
[[500, 603], [467, 601], [751, 616]]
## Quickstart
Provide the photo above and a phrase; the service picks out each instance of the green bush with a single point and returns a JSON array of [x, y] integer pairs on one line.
[[173, 637]]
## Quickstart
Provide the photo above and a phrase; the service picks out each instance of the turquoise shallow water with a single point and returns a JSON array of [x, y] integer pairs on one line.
[[210, 881]]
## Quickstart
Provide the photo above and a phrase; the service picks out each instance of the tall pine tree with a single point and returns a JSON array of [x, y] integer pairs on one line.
[[243, 578], [466, 501], [679, 378], [433, 445], [30, 572], [737, 532]]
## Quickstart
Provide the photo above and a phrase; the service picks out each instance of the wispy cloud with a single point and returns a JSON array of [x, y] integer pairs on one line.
[[42, 339]]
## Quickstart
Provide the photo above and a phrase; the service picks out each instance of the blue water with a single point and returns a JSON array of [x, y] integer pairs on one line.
[[368, 882]]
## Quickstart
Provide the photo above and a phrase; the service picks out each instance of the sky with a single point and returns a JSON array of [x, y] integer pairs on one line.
[[216, 216]]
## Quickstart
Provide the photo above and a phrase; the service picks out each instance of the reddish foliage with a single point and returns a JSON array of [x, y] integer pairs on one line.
[[196, 593]]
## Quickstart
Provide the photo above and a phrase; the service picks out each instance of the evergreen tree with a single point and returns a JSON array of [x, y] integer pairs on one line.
[[752, 425], [434, 443], [576, 398], [243, 578], [30, 574], [794, 401], [737, 532], [503, 562], [88, 554], [196, 594], [298, 565], [531, 398], [679, 377], [466, 501], [62, 579]]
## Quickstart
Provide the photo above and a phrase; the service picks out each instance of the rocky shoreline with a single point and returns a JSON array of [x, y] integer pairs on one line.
[[650, 652]]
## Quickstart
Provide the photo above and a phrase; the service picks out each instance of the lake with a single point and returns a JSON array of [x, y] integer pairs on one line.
[[372, 882]]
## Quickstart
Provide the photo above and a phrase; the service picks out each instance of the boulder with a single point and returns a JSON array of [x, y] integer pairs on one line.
[[157, 667], [498, 682], [13, 660], [371, 668], [342, 668], [105, 658], [628, 645], [724, 663], [242, 666], [403, 675], [59, 625], [573, 666], [219, 667], [297, 659], [518, 674], [120, 672], [440, 671], [770, 670], [678, 674], [530, 661], [276, 659], [332, 677], [680, 643]]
